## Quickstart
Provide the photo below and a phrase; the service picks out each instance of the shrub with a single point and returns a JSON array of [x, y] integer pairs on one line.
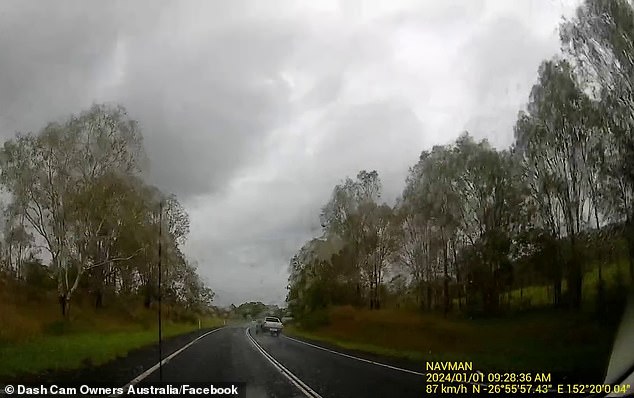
[[315, 320]]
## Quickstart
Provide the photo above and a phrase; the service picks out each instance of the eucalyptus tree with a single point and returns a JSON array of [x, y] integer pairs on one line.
[[380, 244], [432, 192], [491, 197], [412, 250], [19, 242], [345, 217], [552, 137], [43, 173], [600, 41]]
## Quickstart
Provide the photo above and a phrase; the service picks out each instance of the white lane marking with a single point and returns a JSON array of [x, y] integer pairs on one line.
[[309, 392], [164, 361], [357, 358], [376, 363]]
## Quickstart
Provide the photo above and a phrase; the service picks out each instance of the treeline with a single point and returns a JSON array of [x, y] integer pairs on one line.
[[475, 224], [79, 219], [257, 309]]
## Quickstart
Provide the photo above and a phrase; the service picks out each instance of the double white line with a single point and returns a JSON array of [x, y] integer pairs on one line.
[[307, 391]]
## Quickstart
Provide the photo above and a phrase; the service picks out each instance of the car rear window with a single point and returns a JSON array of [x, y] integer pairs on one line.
[[269, 319]]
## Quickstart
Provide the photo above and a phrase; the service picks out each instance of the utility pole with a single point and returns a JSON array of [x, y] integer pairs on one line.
[[160, 329]]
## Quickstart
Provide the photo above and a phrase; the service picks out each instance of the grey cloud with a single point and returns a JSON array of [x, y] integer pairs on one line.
[[203, 104], [270, 221], [323, 92], [48, 70], [252, 111], [384, 135], [503, 70], [207, 108], [449, 18]]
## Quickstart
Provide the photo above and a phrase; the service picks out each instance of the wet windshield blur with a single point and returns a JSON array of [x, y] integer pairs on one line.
[[323, 199]]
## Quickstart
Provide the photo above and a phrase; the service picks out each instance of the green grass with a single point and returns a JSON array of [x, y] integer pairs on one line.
[[614, 274], [546, 341], [542, 339], [74, 350], [35, 338], [352, 345]]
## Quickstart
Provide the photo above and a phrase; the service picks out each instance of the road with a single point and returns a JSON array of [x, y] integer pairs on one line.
[[291, 368]]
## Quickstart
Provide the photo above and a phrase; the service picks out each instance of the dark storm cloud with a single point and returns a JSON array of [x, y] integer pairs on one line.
[[204, 85], [51, 56], [207, 107], [252, 111]]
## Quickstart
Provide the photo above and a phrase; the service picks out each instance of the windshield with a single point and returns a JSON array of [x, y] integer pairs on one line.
[[343, 198]]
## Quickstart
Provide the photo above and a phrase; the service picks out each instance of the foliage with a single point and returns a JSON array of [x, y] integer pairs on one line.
[[475, 224], [77, 189]]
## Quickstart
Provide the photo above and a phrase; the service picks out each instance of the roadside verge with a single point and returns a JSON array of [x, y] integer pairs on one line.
[[118, 371]]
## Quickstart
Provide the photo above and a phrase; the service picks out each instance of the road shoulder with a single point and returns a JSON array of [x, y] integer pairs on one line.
[[399, 362], [116, 372]]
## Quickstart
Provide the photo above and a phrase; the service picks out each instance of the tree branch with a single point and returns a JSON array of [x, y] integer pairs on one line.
[[113, 260]]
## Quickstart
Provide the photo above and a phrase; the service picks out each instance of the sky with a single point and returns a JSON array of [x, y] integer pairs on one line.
[[253, 111]]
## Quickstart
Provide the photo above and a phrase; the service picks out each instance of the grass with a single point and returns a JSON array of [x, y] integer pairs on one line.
[[614, 274], [352, 345], [33, 338], [76, 350], [546, 341], [542, 339]]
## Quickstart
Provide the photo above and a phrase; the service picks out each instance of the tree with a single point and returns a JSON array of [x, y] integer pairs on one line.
[[432, 190], [552, 137], [49, 174], [344, 217], [19, 242], [412, 252], [380, 240], [600, 41], [492, 196]]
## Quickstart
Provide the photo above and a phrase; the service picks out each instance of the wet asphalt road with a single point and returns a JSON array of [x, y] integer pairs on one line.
[[229, 355]]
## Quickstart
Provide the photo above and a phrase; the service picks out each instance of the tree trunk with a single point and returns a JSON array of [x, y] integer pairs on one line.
[[98, 299], [557, 280], [67, 307], [600, 286], [62, 293], [446, 280], [371, 295], [10, 258], [62, 304], [373, 287], [629, 239], [458, 280], [418, 293], [557, 292], [18, 261], [575, 278], [596, 219]]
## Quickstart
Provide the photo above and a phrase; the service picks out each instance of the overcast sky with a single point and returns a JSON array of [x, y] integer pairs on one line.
[[253, 110]]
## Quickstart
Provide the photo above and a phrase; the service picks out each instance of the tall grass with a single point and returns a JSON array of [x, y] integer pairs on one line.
[[614, 277], [548, 340], [34, 337], [72, 351]]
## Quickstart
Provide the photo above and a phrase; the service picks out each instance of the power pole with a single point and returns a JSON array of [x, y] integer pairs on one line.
[[160, 329]]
